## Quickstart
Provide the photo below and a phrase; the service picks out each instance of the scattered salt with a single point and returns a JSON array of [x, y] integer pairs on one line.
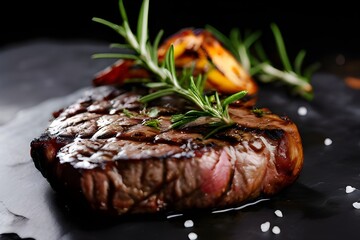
[[265, 226], [276, 230], [302, 111], [349, 189], [327, 141], [192, 236], [188, 223], [356, 205], [278, 213]]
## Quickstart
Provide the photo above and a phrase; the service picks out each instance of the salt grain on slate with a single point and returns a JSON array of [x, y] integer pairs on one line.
[[356, 205], [192, 236], [327, 141], [349, 189], [188, 223], [276, 230], [278, 213], [265, 226], [302, 111]]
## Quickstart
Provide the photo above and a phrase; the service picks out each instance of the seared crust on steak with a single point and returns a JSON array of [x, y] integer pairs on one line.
[[100, 151]]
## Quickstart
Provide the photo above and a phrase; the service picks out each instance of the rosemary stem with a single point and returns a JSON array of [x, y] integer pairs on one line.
[[143, 54], [162, 73], [153, 67], [225, 118], [244, 58], [289, 77], [131, 39]]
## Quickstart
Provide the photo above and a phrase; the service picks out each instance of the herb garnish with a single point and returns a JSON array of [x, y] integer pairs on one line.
[[128, 113], [154, 123], [258, 112], [250, 53], [168, 83]]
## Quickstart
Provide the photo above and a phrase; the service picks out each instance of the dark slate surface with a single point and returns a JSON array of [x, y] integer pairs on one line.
[[41, 77], [31, 72]]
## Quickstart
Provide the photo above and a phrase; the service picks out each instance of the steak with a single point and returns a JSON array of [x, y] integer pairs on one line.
[[102, 152]]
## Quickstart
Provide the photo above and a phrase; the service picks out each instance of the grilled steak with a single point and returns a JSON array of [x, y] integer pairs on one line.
[[102, 151]]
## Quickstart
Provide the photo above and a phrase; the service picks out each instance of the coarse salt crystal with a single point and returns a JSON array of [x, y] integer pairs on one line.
[[349, 189], [356, 205], [327, 141], [192, 236], [278, 213], [188, 223], [302, 111], [276, 230], [265, 226]]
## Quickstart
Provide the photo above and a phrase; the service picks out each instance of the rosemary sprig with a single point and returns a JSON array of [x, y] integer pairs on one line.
[[168, 83], [249, 51]]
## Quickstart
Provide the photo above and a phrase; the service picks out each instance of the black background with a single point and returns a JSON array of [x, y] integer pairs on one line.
[[331, 28]]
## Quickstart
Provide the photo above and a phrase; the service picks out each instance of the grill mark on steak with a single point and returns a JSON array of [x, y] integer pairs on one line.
[[117, 165]]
